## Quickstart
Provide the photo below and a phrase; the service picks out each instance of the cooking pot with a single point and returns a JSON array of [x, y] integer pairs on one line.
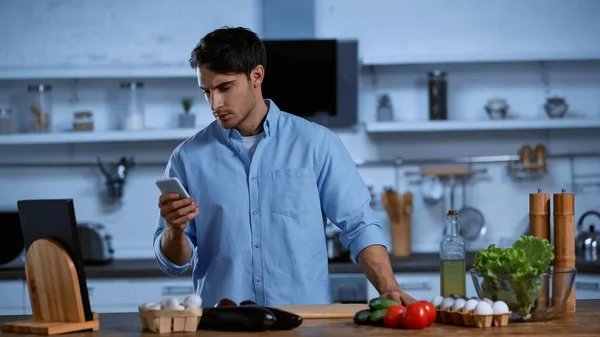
[[586, 242]]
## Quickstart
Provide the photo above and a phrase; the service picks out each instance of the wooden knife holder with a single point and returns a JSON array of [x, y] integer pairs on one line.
[[54, 293]]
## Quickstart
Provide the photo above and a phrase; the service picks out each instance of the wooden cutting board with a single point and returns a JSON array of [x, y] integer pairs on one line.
[[324, 311]]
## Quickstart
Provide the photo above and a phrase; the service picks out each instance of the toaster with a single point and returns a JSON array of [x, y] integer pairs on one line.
[[95, 243]]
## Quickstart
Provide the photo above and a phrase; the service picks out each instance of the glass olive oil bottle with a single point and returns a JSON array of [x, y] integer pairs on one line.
[[452, 259]]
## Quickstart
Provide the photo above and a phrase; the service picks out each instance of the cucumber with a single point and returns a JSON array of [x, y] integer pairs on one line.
[[381, 303], [362, 317], [376, 316]]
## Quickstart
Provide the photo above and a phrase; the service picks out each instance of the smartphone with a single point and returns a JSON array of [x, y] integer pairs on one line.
[[172, 185]]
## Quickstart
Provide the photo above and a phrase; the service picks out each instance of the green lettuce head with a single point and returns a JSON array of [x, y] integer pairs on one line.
[[515, 275]]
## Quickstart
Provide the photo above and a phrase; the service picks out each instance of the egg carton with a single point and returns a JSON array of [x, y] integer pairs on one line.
[[170, 320], [471, 319]]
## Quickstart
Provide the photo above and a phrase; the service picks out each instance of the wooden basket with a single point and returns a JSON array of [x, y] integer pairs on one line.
[[164, 321]]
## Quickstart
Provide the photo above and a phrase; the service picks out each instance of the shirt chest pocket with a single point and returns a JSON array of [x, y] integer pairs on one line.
[[295, 192]]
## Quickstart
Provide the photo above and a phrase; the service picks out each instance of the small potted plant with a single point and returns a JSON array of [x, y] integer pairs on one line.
[[187, 119]]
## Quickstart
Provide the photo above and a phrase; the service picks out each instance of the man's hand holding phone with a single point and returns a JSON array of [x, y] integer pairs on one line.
[[176, 205], [177, 212]]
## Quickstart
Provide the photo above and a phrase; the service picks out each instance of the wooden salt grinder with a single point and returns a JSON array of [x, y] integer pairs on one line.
[[564, 246], [539, 225], [54, 293]]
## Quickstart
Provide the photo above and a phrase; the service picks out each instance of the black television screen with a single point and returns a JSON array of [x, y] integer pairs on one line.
[[303, 77]]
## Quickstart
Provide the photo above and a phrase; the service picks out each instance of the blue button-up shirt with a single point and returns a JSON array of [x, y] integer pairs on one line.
[[260, 232]]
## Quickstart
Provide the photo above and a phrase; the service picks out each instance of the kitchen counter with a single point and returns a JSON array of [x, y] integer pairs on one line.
[[585, 322], [147, 268]]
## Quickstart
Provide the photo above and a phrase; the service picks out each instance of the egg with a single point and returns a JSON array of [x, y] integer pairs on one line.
[[192, 301], [500, 307], [181, 307], [447, 303], [151, 306], [459, 303], [470, 305], [483, 308], [170, 303], [490, 302], [437, 301]]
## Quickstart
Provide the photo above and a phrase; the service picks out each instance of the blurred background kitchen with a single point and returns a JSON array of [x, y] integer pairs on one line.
[[465, 104]]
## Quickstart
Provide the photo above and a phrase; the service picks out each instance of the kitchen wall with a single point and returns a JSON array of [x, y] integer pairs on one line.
[[98, 34]]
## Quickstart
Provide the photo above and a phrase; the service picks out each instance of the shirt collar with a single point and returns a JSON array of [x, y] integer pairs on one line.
[[269, 125]]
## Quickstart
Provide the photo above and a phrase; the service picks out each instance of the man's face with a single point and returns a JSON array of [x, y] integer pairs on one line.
[[230, 96]]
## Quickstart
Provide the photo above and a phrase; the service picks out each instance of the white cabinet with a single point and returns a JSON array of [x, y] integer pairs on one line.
[[12, 297], [587, 286], [125, 295]]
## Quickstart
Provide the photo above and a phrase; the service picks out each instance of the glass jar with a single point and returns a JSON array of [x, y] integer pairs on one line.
[[6, 119], [83, 121], [438, 104], [132, 106], [40, 106]]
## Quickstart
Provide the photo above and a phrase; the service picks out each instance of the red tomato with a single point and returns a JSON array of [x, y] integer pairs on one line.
[[393, 316], [416, 316], [430, 309]]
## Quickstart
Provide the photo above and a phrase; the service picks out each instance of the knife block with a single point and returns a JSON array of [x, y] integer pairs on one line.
[[54, 293]]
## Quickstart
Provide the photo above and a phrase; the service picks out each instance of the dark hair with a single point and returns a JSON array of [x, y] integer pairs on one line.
[[229, 50]]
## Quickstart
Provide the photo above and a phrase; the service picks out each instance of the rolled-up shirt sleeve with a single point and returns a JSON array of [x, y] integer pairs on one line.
[[175, 168], [346, 199]]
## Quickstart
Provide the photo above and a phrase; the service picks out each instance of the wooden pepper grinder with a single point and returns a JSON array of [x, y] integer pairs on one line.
[[564, 246], [539, 225]]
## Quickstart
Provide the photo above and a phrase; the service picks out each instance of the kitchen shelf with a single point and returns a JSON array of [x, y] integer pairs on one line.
[[97, 136], [482, 125], [433, 58], [96, 72]]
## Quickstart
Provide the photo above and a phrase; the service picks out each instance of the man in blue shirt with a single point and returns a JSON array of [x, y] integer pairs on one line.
[[262, 183]]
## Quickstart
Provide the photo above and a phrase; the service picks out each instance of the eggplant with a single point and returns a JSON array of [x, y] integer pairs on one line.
[[285, 319], [243, 318]]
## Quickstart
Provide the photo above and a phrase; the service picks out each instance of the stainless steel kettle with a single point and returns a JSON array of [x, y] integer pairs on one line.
[[586, 242]]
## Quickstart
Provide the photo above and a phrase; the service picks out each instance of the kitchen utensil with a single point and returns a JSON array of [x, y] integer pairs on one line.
[[496, 108], [471, 220], [450, 171], [556, 107], [345, 310], [561, 279], [432, 189], [115, 180], [564, 246], [587, 243], [391, 203], [399, 211]]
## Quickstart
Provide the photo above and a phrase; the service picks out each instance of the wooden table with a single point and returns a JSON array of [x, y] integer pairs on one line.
[[586, 322]]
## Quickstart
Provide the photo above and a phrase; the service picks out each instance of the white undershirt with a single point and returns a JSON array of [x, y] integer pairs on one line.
[[251, 141]]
